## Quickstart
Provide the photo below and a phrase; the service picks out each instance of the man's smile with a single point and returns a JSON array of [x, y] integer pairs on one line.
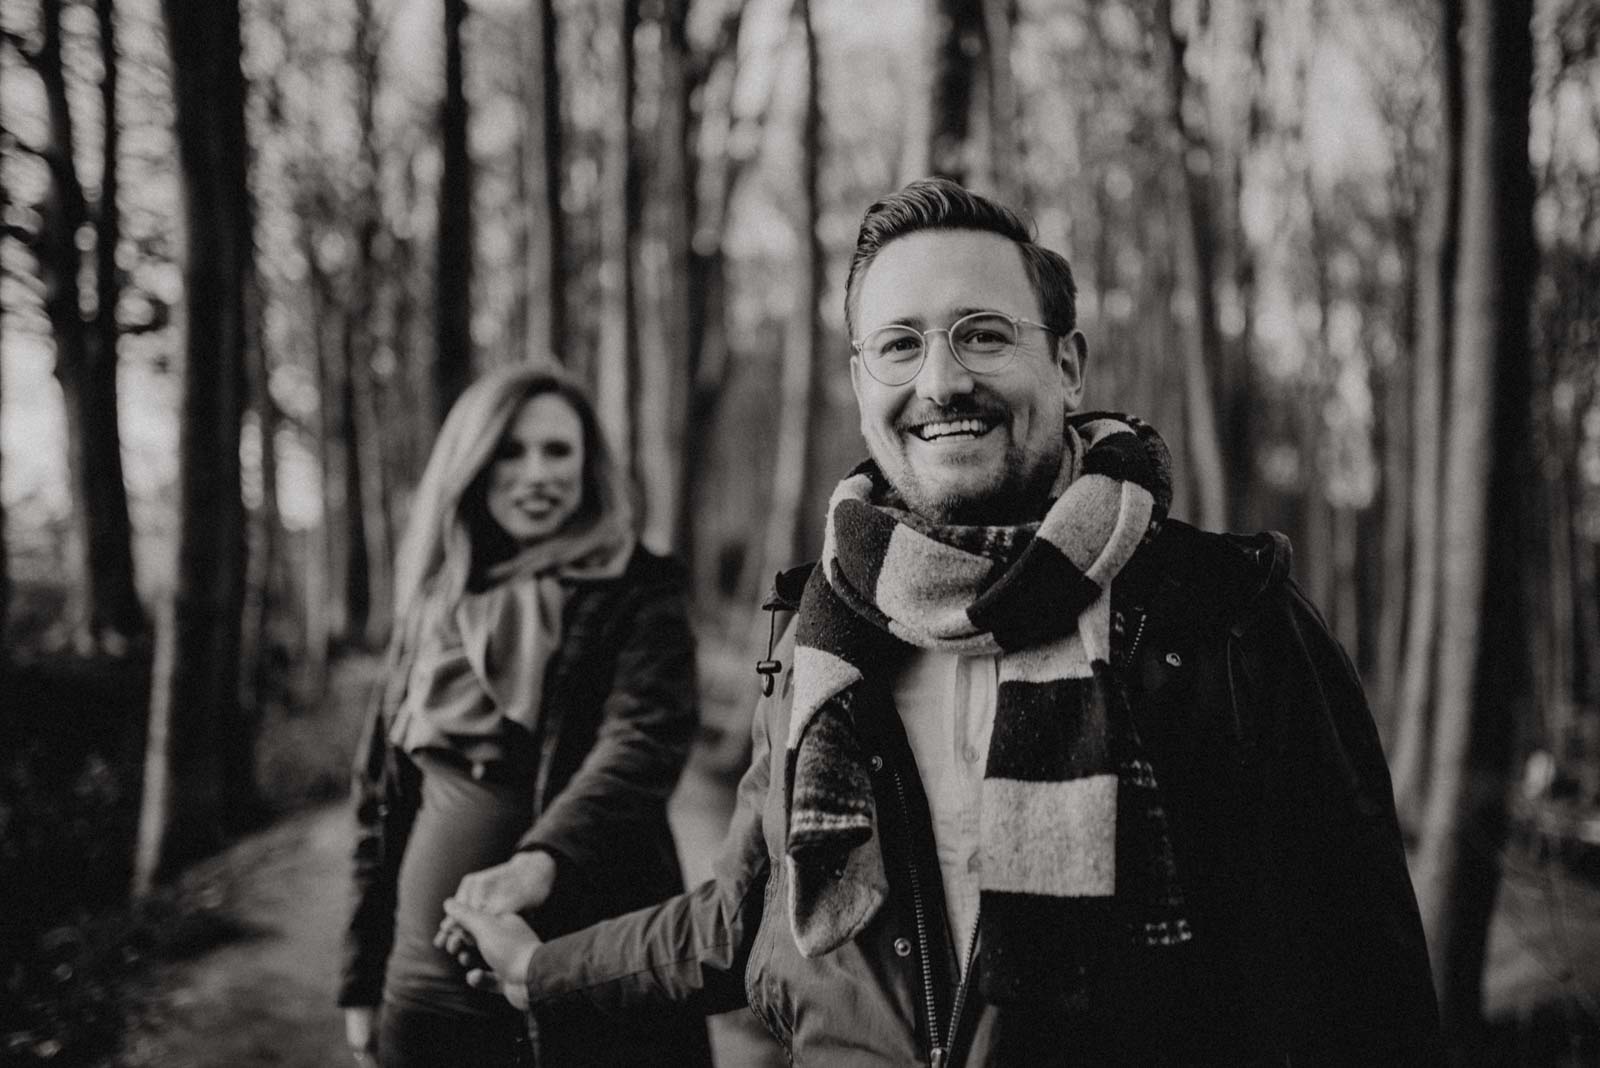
[[966, 428]]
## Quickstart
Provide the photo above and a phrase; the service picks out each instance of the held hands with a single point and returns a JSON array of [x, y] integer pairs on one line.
[[482, 931], [521, 883], [495, 949]]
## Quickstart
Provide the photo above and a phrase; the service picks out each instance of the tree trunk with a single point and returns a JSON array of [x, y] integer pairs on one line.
[[452, 283], [1394, 386], [1196, 240], [616, 363], [1554, 627], [357, 592], [1396, 447], [554, 179], [1004, 149], [107, 609], [332, 573], [539, 174], [716, 75], [1482, 679], [365, 445], [960, 62], [799, 399], [263, 539], [1585, 636], [664, 378], [5, 568], [1346, 599], [194, 691], [1585, 595], [1436, 316], [1238, 400]]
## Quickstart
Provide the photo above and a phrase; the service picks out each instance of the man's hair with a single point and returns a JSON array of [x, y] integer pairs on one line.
[[940, 204]]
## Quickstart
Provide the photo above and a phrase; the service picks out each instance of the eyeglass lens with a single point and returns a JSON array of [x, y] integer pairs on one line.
[[983, 343]]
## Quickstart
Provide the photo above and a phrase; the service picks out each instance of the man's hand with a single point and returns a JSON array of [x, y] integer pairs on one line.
[[361, 1033], [504, 945], [521, 883]]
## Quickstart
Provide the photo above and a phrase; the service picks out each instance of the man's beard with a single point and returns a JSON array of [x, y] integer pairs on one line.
[[1021, 495]]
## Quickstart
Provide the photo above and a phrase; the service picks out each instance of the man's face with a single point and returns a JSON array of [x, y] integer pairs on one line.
[[965, 448]]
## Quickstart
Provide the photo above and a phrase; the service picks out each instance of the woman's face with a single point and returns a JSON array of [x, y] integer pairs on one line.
[[536, 473]]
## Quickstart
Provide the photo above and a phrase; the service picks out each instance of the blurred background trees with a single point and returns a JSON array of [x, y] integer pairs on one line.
[[1345, 256]]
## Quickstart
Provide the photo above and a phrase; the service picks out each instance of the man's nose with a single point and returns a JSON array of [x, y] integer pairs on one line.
[[942, 375]]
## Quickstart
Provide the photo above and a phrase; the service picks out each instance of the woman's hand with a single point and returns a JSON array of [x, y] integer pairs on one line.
[[521, 883], [503, 944], [361, 1033]]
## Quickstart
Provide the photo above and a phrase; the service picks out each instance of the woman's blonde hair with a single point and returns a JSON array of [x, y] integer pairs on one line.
[[447, 512]]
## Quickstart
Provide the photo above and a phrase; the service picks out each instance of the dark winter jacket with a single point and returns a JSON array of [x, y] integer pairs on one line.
[[1308, 946], [618, 715]]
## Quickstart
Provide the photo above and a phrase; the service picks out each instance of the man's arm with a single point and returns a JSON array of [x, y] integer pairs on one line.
[[689, 949], [1370, 992]]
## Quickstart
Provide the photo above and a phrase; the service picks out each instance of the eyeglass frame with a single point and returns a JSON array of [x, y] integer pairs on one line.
[[1015, 320]]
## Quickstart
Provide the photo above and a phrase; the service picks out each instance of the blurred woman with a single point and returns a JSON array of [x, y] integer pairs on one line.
[[536, 712]]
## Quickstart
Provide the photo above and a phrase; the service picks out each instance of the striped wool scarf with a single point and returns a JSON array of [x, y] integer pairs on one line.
[[1076, 863]]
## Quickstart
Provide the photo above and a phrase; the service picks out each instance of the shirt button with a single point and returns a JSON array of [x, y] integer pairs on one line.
[[974, 864], [876, 762], [902, 947], [479, 770], [971, 754]]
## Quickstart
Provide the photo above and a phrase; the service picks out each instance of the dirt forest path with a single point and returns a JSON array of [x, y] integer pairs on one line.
[[265, 997]]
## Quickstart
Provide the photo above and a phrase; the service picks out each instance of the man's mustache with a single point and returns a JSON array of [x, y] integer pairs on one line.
[[966, 406]]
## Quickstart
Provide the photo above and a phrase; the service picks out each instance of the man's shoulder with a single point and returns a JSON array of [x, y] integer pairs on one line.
[[1223, 575]]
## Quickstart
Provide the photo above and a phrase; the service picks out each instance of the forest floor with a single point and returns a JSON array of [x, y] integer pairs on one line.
[[266, 997], [259, 925], [263, 993]]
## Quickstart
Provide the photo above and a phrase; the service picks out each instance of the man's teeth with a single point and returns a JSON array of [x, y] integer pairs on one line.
[[931, 431]]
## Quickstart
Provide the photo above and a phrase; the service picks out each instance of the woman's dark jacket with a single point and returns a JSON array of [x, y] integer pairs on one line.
[[619, 713], [1307, 945]]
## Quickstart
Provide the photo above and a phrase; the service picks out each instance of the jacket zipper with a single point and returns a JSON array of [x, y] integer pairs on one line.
[[939, 1051], [961, 994], [1138, 635]]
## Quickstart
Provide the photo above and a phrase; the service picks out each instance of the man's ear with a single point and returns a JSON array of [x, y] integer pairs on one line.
[[856, 371], [1072, 357]]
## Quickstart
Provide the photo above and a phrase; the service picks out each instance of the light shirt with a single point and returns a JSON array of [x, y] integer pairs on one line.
[[947, 703]]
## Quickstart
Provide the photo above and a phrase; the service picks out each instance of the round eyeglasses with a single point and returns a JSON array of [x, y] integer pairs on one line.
[[983, 342]]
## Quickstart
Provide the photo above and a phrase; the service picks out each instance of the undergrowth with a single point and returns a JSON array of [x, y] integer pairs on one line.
[[75, 951]]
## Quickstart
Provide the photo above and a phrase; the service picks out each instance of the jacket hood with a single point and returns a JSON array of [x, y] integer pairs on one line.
[[1223, 578]]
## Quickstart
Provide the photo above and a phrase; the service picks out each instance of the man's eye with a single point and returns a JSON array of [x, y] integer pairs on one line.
[[508, 450], [984, 335], [558, 450], [900, 347]]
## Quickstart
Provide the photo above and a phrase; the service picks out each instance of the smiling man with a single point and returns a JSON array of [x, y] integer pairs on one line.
[[965, 430], [1050, 778]]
